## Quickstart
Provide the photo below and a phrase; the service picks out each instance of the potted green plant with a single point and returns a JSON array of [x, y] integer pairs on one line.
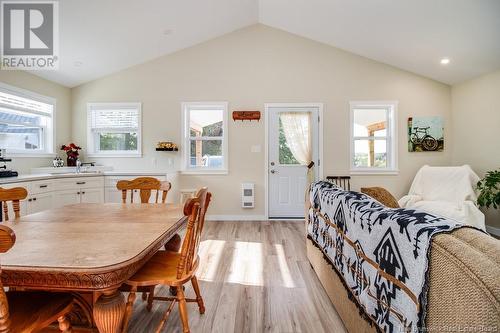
[[489, 190]]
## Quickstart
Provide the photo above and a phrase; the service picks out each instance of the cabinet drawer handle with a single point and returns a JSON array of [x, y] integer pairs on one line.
[[43, 186], [80, 183]]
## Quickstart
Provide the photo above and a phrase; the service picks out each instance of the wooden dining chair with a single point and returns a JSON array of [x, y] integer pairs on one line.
[[341, 181], [15, 195], [145, 186], [25, 312], [175, 269]]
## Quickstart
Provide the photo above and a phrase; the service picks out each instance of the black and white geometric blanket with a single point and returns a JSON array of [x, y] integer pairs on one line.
[[380, 253]]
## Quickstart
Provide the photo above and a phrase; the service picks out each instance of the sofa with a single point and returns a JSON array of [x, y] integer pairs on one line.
[[446, 191], [464, 284]]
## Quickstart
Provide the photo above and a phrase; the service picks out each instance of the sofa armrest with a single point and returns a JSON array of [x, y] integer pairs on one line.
[[464, 289], [409, 200]]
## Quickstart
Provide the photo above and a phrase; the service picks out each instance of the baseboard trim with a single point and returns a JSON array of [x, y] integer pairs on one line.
[[493, 230], [236, 218]]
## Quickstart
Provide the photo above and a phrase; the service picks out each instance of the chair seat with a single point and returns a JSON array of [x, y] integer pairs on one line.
[[160, 269], [31, 311]]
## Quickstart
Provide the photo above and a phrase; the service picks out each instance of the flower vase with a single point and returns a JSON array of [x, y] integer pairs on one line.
[[71, 161]]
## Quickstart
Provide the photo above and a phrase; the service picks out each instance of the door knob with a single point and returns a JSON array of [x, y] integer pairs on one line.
[[273, 171]]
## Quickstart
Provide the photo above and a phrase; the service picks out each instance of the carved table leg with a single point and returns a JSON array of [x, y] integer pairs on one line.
[[109, 311]]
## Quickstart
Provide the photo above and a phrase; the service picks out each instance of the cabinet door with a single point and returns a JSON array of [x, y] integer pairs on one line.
[[39, 202], [92, 195], [113, 195], [67, 197]]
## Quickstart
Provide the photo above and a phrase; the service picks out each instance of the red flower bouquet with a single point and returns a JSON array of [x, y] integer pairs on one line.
[[72, 153]]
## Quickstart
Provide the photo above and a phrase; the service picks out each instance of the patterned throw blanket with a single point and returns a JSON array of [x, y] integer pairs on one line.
[[381, 254]]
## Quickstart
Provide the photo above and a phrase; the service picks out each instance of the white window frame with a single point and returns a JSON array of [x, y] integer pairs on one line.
[[391, 138], [49, 137], [91, 152], [185, 167]]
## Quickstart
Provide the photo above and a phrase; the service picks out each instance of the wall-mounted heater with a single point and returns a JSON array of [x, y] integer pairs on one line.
[[247, 195]]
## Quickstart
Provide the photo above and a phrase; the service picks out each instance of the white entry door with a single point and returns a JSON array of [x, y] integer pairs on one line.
[[293, 142]]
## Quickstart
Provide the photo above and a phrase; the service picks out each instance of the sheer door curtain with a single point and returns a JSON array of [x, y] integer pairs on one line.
[[297, 130]]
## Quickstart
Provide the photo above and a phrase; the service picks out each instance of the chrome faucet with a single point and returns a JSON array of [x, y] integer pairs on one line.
[[78, 165]]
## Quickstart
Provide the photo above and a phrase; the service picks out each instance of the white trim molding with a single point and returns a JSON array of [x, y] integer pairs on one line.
[[91, 148], [48, 139], [391, 137], [319, 174], [236, 218], [186, 138]]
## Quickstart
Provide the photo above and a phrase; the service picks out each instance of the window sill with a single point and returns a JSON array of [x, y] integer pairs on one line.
[[374, 172], [204, 172], [114, 155], [32, 155]]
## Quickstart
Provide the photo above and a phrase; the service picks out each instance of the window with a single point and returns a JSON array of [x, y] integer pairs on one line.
[[205, 137], [114, 129], [373, 137], [26, 122]]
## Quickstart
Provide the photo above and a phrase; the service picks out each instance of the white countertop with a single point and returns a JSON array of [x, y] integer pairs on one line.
[[137, 173], [45, 176]]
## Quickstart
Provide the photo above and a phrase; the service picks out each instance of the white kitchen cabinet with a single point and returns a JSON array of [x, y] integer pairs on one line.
[[79, 195], [92, 195], [78, 190], [41, 186], [40, 202], [112, 195], [53, 192], [39, 197], [66, 197], [78, 183]]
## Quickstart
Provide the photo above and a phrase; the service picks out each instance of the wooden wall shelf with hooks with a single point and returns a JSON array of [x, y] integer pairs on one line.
[[246, 115]]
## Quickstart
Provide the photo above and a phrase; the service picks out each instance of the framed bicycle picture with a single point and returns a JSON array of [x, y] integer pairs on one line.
[[425, 134]]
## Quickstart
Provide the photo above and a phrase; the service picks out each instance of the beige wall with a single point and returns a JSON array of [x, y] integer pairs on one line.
[[476, 128], [63, 124], [251, 67], [260, 65]]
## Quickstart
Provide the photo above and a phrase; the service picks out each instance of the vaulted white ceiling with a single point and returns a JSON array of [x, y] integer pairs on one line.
[[98, 37], [409, 34]]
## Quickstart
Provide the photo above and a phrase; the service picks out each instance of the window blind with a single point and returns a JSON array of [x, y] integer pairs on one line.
[[18, 103], [114, 119]]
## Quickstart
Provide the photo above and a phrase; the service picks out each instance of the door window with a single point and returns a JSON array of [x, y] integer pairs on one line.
[[285, 154], [294, 138]]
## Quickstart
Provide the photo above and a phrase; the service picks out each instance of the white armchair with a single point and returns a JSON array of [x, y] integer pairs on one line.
[[446, 191]]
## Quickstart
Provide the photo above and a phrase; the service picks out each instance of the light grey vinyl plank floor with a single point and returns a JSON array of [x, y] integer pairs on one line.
[[254, 277]]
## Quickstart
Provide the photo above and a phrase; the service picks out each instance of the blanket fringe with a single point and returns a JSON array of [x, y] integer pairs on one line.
[[350, 296], [423, 297]]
